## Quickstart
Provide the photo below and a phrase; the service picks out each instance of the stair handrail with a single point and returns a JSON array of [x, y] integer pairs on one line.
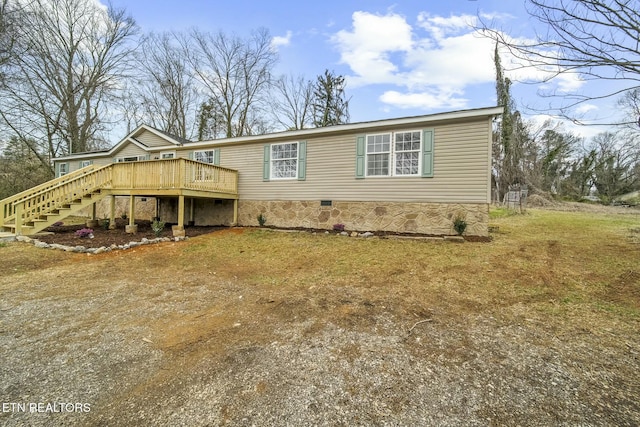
[[62, 184], [6, 204], [22, 202]]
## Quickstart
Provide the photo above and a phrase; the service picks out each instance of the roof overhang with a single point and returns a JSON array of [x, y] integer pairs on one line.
[[477, 113]]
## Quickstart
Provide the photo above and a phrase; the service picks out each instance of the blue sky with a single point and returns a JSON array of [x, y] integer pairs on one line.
[[400, 59]]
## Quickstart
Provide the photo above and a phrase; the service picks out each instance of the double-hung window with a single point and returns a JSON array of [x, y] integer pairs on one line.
[[202, 172], [394, 154], [284, 161], [407, 146], [204, 156], [63, 169]]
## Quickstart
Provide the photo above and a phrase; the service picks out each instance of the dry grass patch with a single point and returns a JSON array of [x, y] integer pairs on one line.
[[244, 326]]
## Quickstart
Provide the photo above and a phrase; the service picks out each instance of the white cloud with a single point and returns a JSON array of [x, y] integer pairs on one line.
[[586, 108], [425, 100], [433, 62], [429, 64], [278, 41], [367, 49]]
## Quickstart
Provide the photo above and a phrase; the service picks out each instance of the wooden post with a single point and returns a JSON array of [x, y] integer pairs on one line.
[[191, 212], [178, 230], [181, 211], [235, 212], [93, 222], [112, 212], [18, 211], [132, 228]]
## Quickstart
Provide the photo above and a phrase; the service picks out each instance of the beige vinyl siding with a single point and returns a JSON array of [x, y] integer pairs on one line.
[[461, 162], [129, 150], [150, 139]]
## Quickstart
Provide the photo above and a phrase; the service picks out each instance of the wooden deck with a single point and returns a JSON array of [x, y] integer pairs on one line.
[[35, 209]]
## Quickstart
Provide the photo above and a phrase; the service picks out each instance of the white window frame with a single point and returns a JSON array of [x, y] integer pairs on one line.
[[273, 161], [129, 159], [393, 154], [168, 154], [66, 169], [207, 157], [418, 152]]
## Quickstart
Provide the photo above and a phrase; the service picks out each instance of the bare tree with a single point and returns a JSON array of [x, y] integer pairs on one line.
[[7, 33], [166, 90], [73, 55], [616, 162], [293, 110], [591, 39], [236, 75]]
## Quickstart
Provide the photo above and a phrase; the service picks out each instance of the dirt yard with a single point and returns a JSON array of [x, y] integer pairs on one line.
[[240, 327]]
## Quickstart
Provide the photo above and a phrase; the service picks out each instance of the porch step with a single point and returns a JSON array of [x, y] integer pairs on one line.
[[5, 236]]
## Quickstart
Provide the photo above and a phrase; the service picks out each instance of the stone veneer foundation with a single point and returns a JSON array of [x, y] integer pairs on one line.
[[423, 218]]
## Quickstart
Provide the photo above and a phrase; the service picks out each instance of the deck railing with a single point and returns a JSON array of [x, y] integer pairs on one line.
[[174, 174], [152, 175], [7, 206], [51, 199]]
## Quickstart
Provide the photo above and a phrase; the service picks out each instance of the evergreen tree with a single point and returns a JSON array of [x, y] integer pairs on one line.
[[329, 104]]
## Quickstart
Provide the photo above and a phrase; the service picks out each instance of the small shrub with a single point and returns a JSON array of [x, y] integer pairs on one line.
[[157, 226], [105, 223], [262, 220], [123, 216], [460, 225], [84, 233], [338, 227]]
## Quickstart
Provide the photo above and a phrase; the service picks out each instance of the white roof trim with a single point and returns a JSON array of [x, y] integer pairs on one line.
[[160, 134], [127, 139], [350, 127]]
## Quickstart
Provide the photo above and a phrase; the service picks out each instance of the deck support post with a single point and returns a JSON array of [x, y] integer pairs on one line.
[[235, 213], [112, 212], [192, 208], [132, 228], [17, 208], [92, 222], [178, 230]]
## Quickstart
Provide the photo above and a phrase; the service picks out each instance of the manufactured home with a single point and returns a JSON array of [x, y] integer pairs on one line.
[[405, 175]]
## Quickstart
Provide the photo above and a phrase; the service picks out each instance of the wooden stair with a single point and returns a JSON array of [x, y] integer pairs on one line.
[[34, 210], [36, 225]]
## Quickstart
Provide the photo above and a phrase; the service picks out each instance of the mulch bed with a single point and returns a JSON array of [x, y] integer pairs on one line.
[[66, 234]]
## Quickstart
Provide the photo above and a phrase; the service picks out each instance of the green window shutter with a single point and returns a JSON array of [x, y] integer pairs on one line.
[[427, 153], [266, 164], [147, 157], [302, 160], [57, 167], [80, 164], [216, 157], [360, 156], [190, 155]]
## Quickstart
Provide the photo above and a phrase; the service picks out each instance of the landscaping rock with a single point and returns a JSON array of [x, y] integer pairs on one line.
[[366, 234]]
